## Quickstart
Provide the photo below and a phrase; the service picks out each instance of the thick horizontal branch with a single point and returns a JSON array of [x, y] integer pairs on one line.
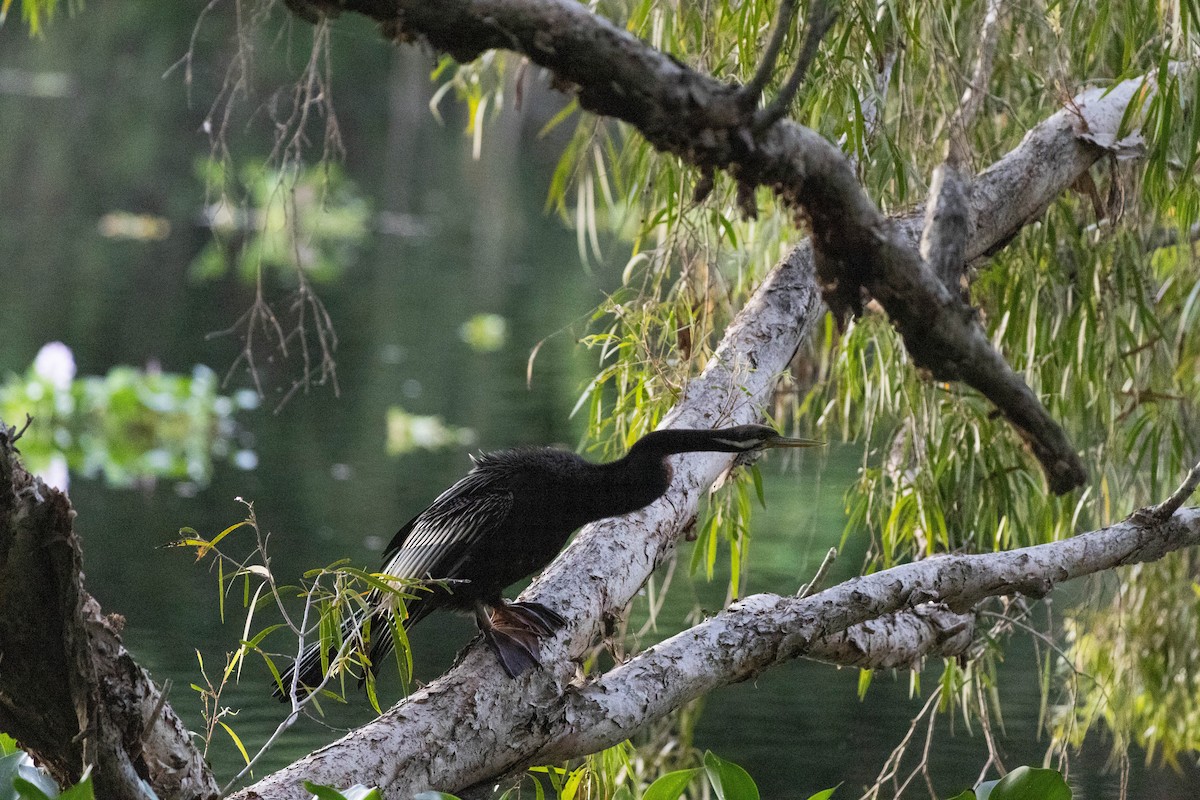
[[763, 630], [466, 728]]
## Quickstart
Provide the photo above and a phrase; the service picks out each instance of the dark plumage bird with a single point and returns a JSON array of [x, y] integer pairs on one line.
[[508, 518]]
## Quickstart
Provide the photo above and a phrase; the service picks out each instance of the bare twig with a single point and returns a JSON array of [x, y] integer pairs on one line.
[[820, 18], [815, 583], [891, 765], [748, 94], [1167, 508], [985, 724], [15, 434]]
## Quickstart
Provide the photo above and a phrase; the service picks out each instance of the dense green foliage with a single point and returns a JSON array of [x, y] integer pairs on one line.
[[722, 780]]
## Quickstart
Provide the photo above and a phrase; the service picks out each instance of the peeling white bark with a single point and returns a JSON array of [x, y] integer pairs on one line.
[[765, 629]]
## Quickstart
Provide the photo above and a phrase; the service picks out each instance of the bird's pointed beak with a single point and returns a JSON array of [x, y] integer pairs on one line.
[[787, 441]]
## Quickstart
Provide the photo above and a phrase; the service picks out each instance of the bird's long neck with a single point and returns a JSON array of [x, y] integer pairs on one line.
[[681, 440], [643, 474]]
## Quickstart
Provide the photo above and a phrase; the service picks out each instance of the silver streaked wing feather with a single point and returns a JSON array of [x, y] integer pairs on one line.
[[442, 533]]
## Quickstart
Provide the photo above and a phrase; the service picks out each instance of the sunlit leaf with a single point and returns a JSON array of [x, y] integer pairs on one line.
[[729, 781], [671, 785]]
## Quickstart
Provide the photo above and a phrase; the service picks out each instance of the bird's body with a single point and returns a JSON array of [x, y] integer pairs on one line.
[[509, 517]]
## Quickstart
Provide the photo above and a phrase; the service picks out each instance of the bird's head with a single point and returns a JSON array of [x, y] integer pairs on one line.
[[738, 439], [753, 438]]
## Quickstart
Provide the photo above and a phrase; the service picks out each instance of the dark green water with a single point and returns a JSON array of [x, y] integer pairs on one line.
[[115, 137]]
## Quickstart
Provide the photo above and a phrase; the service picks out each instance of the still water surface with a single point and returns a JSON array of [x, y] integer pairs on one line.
[[120, 139]]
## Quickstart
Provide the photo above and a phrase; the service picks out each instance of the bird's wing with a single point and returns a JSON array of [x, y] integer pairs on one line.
[[432, 544]]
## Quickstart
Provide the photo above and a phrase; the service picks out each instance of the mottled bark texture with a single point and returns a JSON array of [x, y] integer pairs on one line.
[[70, 694]]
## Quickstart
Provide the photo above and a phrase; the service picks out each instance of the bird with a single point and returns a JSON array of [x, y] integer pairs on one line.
[[506, 520]]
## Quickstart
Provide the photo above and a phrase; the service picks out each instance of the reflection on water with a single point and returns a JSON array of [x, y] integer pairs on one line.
[[130, 427], [313, 219], [408, 432]]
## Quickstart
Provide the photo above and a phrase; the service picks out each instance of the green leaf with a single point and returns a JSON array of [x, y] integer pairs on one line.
[[1030, 783], [82, 790], [572, 785], [966, 795], [825, 794], [27, 790], [18, 767], [237, 741], [671, 786], [323, 792], [729, 781], [355, 792]]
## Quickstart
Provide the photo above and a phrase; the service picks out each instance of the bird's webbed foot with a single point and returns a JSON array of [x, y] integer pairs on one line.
[[514, 630]]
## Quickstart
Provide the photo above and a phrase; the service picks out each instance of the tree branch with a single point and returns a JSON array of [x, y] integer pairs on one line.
[[69, 691], [763, 630], [749, 93], [947, 221], [820, 19]]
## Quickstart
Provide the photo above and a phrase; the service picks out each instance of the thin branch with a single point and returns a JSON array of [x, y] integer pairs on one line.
[[985, 724], [947, 220], [1167, 508], [812, 585], [958, 152], [820, 19], [891, 765], [749, 93]]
